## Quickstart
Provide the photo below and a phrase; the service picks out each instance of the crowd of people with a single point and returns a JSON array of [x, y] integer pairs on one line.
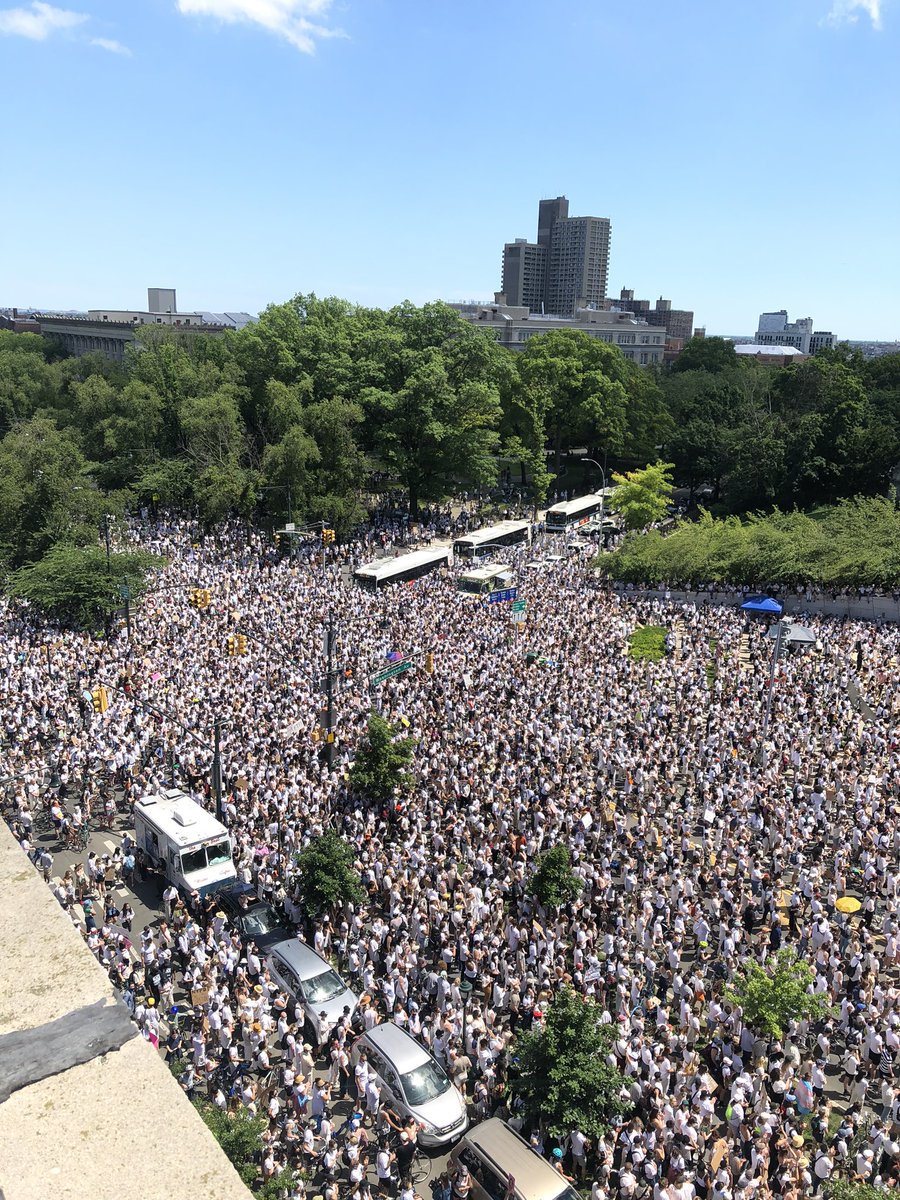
[[699, 844]]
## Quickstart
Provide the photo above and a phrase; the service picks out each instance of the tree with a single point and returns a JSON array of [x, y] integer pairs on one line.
[[238, 1133], [436, 431], [642, 497], [554, 883], [340, 467], [45, 493], [75, 584], [711, 354], [379, 768], [846, 1189], [579, 382], [772, 996], [564, 1078], [325, 875], [213, 432], [855, 542]]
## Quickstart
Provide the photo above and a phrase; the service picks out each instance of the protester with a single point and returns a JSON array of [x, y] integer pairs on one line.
[[699, 845]]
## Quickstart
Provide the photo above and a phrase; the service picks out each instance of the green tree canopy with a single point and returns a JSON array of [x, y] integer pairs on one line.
[[564, 1077], [76, 583], [379, 767], [46, 494], [554, 883], [712, 354], [642, 497], [772, 995], [579, 382], [852, 543], [325, 875]]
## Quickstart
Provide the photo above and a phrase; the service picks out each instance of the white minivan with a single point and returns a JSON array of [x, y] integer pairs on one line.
[[413, 1083]]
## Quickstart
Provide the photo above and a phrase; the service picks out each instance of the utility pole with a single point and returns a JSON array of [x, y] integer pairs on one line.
[[218, 726], [329, 687], [126, 596]]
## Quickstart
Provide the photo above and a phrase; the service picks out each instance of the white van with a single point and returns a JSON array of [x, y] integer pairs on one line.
[[184, 841], [502, 1166]]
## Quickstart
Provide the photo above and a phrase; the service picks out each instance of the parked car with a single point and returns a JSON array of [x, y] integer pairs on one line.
[[255, 919], [318, 994], [502, 1166], [414, 1084]]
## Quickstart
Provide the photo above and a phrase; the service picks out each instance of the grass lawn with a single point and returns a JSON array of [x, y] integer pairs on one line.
[[648, 642]]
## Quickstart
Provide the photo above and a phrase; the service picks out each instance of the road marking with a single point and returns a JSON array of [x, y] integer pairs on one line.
[[110, 845]]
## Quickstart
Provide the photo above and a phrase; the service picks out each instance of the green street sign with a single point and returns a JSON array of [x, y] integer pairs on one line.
[[124, 591], [519, 605], [396, 668]]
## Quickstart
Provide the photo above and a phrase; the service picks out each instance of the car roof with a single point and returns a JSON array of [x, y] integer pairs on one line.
[[402, 1049], [234, 890], [511, 1154], [302, 959]]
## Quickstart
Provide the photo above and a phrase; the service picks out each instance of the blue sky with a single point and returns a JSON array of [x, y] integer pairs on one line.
[[748, 153]]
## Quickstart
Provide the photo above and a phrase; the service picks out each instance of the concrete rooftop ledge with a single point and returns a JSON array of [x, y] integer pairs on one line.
[[84, 1119]]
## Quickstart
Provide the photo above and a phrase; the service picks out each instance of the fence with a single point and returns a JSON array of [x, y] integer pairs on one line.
[[862, 608]]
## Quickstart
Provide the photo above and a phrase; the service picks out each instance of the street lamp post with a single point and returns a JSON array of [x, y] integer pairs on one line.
[[594, 462], [465, 990], [218, 726]]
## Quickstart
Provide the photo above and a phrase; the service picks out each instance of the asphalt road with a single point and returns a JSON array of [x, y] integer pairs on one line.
[[145, 899]]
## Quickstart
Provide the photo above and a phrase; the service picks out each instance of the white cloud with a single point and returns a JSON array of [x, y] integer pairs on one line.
[[112, 46], [297, 21], [38, 21], [846, 12]]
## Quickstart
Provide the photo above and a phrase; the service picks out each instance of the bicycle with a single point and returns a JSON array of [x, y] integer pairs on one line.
[[82, 836]]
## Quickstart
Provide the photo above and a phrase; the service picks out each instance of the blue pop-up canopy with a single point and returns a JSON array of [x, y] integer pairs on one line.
[[762, 604]]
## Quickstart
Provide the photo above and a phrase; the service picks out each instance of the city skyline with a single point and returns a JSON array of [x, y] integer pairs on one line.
[[245, 151]]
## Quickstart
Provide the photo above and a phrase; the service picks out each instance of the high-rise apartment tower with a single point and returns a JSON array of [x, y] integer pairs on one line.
[[567, 268]]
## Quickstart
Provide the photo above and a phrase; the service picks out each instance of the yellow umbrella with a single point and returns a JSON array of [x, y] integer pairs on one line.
[[848, 904]]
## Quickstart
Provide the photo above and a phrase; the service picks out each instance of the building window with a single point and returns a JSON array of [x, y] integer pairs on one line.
[[644, 357]]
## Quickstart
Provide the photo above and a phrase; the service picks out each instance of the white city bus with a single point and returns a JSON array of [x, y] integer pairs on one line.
[[492, 578], [506, 533], [378, 574], [569, 514]]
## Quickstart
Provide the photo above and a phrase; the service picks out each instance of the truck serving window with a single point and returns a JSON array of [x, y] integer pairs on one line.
[[219, 852], [212, 855]]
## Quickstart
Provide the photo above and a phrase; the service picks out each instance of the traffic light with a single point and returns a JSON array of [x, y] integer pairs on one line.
[[241, 643], [231, 645], [200, 598], [327, 537], [100, 699], [277, 541], [429, 663]]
